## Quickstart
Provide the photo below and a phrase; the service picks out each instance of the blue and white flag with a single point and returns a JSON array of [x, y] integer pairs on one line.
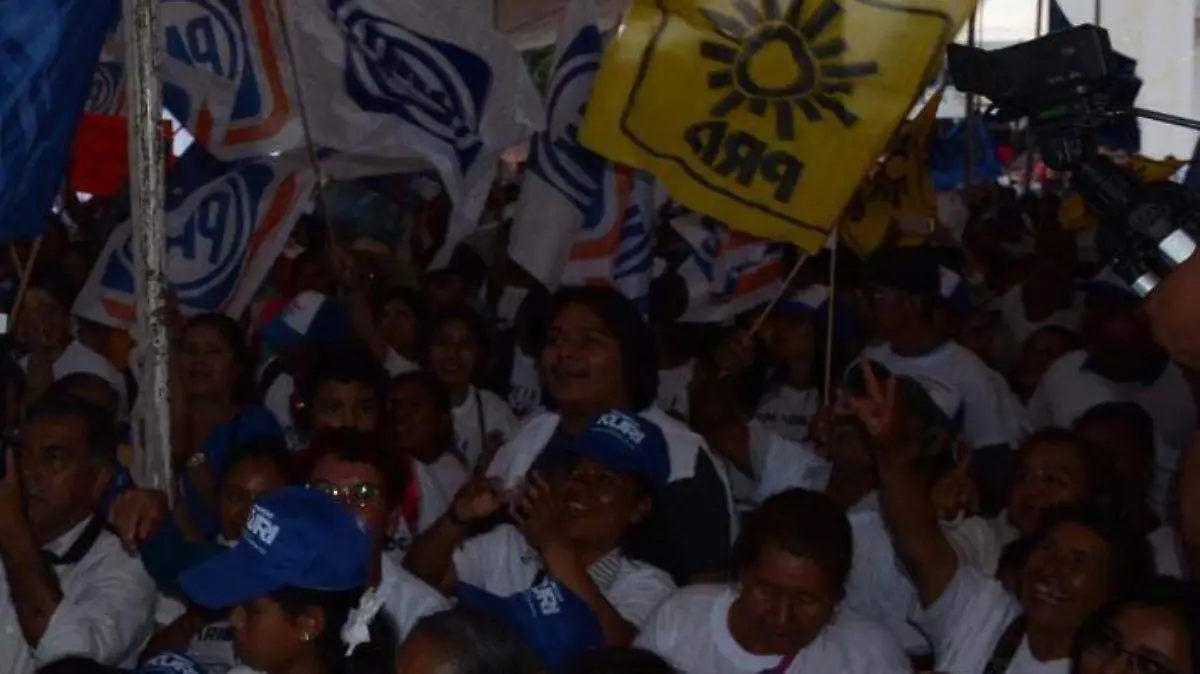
[[728, 272], [226, 225], [48, 50], [406, 80], [562, 178]]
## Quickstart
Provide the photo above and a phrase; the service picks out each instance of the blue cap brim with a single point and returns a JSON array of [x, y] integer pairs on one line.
[[229, 579], [481, 600]]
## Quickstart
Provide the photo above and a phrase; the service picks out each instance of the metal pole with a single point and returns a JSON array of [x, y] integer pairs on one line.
[[143, 53], [1096, 13], [969, 159], [1030, 154]]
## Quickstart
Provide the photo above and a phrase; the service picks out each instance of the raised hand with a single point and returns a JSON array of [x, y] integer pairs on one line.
[[478, 499], [538, 514], [881, 412]]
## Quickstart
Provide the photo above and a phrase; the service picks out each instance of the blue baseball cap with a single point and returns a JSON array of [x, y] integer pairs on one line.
[[170, 662], [627, 443], [557, 623], [294, 537], [311, 317]]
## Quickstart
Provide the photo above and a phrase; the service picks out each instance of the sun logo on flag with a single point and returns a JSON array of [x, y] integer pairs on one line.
[[890, 183], [780, 60]]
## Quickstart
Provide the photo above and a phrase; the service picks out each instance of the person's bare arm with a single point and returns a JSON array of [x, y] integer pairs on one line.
[[907, 508], [32, 585]]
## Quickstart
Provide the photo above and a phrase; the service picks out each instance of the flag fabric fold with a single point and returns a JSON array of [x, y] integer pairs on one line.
[[226, 224], [728, 272], [765, 114], [48, 52], [562, 178], [899, 186]]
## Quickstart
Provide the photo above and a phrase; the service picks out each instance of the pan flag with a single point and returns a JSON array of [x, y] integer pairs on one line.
[[765, 114], [899, 186]]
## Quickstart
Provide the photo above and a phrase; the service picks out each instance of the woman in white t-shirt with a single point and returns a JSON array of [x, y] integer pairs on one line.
[[458, 351], [572, 533], [421, 431], [790, 339], [400, 323], [1154, 628], [1082, 558], [785, 614]]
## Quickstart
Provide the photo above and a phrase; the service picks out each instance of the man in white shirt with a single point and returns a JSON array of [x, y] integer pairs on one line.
[[68, 589], [906, 288]]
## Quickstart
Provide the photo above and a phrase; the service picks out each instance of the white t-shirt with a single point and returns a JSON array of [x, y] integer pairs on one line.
[[779, 464], [961, 384], [278, 401], [407, 598], [106, 614], [691, 631], [497, 418], [673, 389], [79, 358], [1019, 328], [1069, 390], [788, 411], [966, 623], [503, 563], [438, 482]]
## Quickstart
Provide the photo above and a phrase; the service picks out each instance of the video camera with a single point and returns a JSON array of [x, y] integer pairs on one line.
[[1069, 84]]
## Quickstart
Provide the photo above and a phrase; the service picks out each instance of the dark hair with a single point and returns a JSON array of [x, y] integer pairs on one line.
[[1180, 597], [414, 301], [355, 446], [639, 360], [272, 449], [349, 363], [50, 280], [443, 404], [1133, 417], [1101, 475], [70, 384], [618, 660], [100, 435], [476, 643], [802, 523], [76, 665], [474, 324], [244, 388], [377, 656], [1132, 561]]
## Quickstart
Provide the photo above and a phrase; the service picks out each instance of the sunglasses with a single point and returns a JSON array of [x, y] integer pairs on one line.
[[360, 495]]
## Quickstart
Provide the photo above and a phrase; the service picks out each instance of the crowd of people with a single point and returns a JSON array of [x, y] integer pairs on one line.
[[965, 457]]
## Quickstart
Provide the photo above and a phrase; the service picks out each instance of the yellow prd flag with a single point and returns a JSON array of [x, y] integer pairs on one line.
[[765, 114], [899, 186], [1074, 215]]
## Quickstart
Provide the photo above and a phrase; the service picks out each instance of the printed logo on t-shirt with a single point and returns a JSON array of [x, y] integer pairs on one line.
[[548, 598], [623, 425]]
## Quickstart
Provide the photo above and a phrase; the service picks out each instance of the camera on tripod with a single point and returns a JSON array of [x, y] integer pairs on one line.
[[1068, 85]]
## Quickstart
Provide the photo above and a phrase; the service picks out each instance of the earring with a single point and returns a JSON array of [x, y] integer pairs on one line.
[[305, 637]]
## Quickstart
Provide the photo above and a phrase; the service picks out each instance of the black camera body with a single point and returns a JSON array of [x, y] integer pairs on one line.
[[1068, 85]]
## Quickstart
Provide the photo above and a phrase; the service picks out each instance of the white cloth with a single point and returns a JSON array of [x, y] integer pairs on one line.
[[406, 598], [691, 631], [396, 365], [524, 386], [1012, 314], [517, 456], [106, 614], [1167, 555], [278, 401], [497, 418], [779, 464], [965, 625], [503, 563], [673, 389], [1069, 389], [438, 482], [78, 358], [788, 411], [961, 384]]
